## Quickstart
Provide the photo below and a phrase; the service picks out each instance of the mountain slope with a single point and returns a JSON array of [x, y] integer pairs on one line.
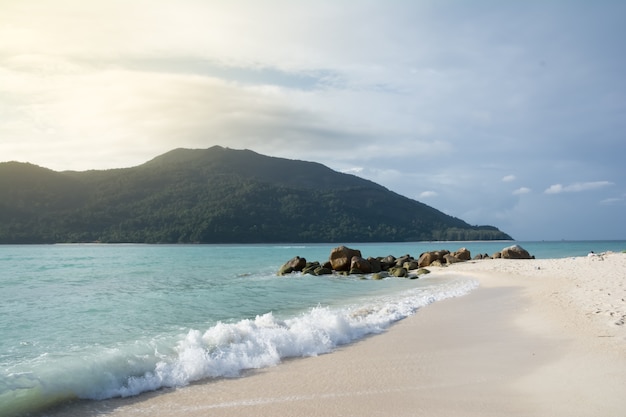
[[214, 195]]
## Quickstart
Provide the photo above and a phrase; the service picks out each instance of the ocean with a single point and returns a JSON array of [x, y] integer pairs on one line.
[[90, 321]]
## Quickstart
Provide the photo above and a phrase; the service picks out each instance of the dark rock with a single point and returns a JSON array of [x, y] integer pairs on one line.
[[293, 265], [451, 259], [323, 271], [310, 268], [389, 260], [410, 265], [375, 264], [427, 258], [380, 275], [398, 271], [361, 264], [403, 259]]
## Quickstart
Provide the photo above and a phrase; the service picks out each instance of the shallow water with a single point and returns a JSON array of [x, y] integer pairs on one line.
[[98, 321]]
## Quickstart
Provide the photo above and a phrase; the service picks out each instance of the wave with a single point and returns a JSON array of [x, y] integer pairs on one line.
[[223, 350]]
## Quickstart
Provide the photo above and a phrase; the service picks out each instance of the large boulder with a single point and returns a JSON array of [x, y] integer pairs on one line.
[[427, 258], [515, 252], [293, 265], [375, 264], [387, 262], [451, 259], [341, 257], [360, 264], [462, 254]]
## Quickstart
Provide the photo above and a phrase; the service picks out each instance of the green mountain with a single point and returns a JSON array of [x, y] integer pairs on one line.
[[214, 195]]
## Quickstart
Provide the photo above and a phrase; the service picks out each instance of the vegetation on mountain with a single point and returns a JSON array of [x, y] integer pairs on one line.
[[214, 195]]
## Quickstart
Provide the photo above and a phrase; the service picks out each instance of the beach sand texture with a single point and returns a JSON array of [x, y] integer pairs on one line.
[[537, 338]]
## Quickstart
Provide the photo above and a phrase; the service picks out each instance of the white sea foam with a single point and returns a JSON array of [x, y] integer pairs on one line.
[[226, 349], [223, 350]]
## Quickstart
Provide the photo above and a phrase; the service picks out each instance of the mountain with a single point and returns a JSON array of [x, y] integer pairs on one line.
[[214, 195]]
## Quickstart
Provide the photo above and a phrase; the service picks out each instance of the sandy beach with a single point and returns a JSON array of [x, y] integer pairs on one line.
[[537, 338]]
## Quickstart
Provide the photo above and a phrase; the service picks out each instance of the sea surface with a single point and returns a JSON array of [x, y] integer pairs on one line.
[[94, 321]]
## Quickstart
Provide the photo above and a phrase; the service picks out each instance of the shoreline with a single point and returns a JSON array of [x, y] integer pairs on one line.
[[538, 337]]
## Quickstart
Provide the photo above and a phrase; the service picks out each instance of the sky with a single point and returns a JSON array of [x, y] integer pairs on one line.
[[503, 113]]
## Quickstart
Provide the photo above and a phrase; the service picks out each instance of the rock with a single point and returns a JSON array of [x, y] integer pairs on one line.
[[310, 268], [403, 259], [391, 260], [323, 271], [398, 271], [341, 256], [294, 264], [361, 264], [410, 265], [380, 275], [387, 262], [462, 254], [375, 264], [422, 271], [515, 252], [451, 259], [427, 258], [497, 255]]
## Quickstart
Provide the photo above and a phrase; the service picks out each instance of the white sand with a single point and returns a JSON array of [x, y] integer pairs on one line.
[[538, 338]]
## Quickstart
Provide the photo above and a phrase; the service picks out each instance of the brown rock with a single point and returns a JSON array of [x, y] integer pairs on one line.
[[451, 259], [515, 252], [375, 264], [294, 264], [341, 256], [427, 258], [463, 254], [360, 264]]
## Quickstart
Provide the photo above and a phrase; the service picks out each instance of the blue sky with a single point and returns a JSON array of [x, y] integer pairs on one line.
[[509, 113]]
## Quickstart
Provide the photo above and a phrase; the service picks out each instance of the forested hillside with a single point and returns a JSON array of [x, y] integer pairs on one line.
[[214, 195]]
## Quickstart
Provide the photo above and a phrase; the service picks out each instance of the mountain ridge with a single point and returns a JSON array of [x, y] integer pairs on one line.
[[215, 195]]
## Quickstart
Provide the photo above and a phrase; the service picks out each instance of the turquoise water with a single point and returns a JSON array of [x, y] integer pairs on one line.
[[99, 321]]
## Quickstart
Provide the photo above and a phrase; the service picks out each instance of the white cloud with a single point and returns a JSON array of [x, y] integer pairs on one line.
[[419, 103], [522, 190], [353, 171], [614, 200], [577, 187]]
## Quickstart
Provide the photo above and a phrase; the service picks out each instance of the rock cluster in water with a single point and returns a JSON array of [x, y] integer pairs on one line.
[[344, 260]]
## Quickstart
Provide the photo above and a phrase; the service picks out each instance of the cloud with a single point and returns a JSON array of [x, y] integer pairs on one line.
[[447, 97], [613, 200], [577, 187], [522, 190]]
